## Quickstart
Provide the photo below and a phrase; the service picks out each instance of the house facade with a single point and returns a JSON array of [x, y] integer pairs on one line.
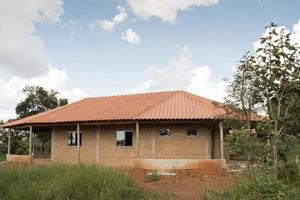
[[164, 130]]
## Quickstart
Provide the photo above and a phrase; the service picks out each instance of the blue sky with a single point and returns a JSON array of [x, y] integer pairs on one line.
[[202, 44]]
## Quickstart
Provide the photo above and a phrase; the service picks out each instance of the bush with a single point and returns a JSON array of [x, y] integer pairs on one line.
[[265, 188], [154, 176], [68, 182]]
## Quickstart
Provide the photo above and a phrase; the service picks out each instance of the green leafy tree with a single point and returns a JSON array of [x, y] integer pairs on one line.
[[39, 100], [277, 79], [241, 99]]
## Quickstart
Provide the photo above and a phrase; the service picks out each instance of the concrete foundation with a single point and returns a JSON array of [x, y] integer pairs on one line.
[[174, 164], [18, 158]]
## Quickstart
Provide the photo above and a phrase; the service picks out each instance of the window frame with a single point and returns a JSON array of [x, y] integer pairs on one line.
[[187, 135], [124, 131], [165, 136], [76, 139]]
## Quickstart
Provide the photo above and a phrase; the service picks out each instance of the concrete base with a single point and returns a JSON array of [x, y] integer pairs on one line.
[[174, 164], [26, 159]]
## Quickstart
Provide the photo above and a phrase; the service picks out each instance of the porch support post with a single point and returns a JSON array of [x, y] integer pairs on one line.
[[221, 139], [33, 141], [78, 142], [98, 145], [8, 142], [137, 132], [30, 140]]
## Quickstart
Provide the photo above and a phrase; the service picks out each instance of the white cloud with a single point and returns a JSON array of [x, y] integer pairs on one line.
[[22, 52], [165, 9], [11, 89], [108, 25], [296, 35], [131, 37], [181, 73], [23, 57]]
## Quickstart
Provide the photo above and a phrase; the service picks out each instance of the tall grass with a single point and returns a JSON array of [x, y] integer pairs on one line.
[[68, 182]]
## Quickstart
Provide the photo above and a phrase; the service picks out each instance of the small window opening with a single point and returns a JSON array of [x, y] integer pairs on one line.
[[164, 132], [72, 138], [124, 138], [191, 132]]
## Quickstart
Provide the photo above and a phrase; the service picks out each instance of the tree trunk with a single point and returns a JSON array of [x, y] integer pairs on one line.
[[275, 158], [274, 149]]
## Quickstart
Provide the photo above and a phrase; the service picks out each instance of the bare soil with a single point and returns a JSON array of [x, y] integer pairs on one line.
[[188, 184]]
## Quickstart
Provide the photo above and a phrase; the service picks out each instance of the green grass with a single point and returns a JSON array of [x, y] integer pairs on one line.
[[69, 182]]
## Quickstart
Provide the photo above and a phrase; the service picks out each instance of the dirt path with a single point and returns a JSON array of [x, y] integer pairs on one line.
[[187, 185]]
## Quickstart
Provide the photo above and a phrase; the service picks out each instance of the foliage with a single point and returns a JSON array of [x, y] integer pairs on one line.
[[18, 143], [69, 182], [44, 138], [289, 171], [154, 176], [245, 144], [270, 80], [2, 157], [265, 188], [240, 101], [39, 100], [277, 79]]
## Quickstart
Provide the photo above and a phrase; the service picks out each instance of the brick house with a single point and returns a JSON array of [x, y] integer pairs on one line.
[[162, 130]]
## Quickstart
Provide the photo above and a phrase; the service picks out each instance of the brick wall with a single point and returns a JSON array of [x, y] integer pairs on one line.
[[152, 145]]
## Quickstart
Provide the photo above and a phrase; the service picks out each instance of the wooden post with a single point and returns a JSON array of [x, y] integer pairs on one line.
[[8, 142], [137, 132], [221, 139], [33, 140], [153, 141], [98, 145], [78, 142], [30, 140]]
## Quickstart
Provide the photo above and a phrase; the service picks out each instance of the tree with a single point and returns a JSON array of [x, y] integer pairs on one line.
[[245, 144], [39, 100], [240, 101], [277, 79]]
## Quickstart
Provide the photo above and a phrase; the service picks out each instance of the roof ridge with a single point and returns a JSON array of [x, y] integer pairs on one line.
[[215, 104], [133, 94], [160, 102]]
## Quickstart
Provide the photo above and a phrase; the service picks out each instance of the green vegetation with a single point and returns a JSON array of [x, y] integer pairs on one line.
[[37, 100], [68, 182], [154, 176], [2, 157], [267, 81]]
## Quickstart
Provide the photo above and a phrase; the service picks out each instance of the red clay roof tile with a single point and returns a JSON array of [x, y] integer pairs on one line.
[[172, 105]]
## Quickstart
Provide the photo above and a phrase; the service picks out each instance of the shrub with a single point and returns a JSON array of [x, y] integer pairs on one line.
[[264, 188], [154, 176], [68, 182]]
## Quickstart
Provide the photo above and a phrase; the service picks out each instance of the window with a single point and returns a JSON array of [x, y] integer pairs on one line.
[[164, 132], [72, 138], [191, 132], [124, 138]]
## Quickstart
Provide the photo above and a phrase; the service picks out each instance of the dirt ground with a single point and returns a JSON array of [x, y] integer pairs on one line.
[[188, 184]]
